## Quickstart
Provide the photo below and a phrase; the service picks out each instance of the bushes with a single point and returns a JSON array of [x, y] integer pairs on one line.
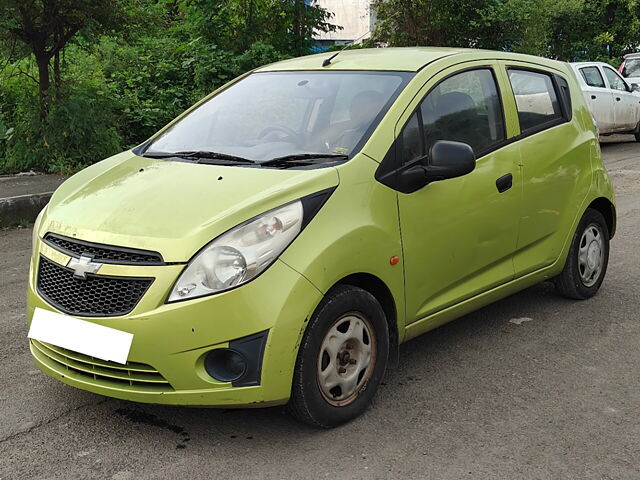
[[127, 68], [113, 97], [78, 129]]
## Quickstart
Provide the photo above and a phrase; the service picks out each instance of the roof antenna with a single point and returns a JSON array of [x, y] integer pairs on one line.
[[327, 61]]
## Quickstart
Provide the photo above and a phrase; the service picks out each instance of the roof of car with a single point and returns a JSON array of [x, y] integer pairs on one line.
[[581, 64], [408, 59], [400, 59], [632, 55], [578, 65]]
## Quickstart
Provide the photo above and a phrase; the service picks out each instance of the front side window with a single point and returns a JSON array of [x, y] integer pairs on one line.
[[593, 77], [615, 82], [275, 114], [465, 108], [536, 99], [412, 139]]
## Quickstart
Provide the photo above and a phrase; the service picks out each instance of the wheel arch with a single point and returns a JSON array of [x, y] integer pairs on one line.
[[376, 287], [608, 211]]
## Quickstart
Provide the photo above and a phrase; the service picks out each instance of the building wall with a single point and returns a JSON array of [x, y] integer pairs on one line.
[[355, 16]]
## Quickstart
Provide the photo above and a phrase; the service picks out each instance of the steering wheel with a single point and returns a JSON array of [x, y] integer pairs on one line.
[[278, 128]]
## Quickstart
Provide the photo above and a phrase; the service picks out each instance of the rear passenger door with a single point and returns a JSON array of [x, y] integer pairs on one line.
[[599, 98], [555, 151], [458, 235]]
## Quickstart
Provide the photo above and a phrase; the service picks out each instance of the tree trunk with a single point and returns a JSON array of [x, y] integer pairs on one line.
[[44, 83], [297, 25], [56, 73]]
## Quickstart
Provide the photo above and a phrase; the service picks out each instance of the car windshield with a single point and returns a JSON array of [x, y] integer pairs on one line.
[[631, 68], [272, 115]]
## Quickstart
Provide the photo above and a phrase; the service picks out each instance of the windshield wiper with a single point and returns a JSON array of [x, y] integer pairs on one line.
[[205, 156], [200, 155], [299, 158]]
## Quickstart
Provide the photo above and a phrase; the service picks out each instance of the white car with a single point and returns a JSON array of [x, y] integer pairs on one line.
[[630, 68], [614, 103]]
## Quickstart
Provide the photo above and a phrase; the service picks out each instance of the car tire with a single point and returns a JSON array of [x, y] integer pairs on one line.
[[637, 135], [348, 330], [586, 264]]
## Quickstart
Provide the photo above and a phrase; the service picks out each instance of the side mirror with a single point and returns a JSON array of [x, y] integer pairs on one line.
[[446, 160], [449, 160], [635, 87]]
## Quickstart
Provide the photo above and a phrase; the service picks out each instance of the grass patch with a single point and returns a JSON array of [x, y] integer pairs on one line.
[[6, 225]]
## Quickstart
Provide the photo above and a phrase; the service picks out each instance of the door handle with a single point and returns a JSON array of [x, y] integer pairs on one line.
[[617, 99], [593, 97], [504, 183]]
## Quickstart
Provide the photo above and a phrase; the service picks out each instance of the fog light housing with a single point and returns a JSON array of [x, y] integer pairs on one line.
[[225, 364], [240, 363]]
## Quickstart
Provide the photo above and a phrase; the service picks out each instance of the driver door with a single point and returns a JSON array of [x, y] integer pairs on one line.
[[459, 235], [625, 102]]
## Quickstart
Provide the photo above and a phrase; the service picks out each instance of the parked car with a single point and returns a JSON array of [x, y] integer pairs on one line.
[[630, 68], [277, 242], [614, 103]]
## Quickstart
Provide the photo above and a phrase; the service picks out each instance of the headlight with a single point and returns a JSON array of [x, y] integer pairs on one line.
[[36, 227], [241, 254]]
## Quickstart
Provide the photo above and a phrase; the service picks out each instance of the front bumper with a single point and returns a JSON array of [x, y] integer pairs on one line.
[[166, 360]]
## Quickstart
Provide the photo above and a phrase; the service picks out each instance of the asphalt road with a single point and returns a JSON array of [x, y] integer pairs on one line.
[[532, 387]]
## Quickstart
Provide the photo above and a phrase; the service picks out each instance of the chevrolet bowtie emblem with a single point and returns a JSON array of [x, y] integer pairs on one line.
[[83, 265]]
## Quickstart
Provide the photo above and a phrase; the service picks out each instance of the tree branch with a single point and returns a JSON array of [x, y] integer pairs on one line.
[[28, 75]]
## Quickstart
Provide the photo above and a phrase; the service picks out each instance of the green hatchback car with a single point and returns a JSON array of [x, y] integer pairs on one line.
[[277, 242]]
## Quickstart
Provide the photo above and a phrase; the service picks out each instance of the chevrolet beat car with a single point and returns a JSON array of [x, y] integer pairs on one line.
[[280, 240]]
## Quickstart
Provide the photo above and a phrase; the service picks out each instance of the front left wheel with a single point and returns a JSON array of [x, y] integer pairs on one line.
[[341, 360]]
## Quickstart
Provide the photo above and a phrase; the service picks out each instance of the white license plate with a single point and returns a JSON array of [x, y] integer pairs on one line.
[[80, 336]]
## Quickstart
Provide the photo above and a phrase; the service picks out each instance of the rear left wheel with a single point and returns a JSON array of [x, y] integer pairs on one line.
[[342, 358], [588, 258]]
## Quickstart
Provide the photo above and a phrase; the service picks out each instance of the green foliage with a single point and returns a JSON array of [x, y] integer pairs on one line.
[[566, 30], [78, 129], [119, 83], [121, 70], [287, 25]]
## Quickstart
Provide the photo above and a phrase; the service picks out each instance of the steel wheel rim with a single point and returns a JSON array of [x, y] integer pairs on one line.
[[591, 255], [347, 359]]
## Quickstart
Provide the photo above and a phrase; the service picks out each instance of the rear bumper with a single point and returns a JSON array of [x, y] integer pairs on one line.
[[166, 360]]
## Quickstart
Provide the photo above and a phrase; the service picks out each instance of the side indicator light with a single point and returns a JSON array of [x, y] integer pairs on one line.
[[394, 260]]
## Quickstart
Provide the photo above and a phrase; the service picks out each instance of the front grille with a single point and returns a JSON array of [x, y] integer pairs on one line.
[[131, 376], [95, 296], [102, 253]]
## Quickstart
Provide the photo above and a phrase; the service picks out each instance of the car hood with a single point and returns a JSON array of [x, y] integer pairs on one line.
[[170, 206]]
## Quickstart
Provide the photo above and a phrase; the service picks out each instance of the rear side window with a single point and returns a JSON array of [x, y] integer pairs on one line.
[[464, 108], [536, 99], [615, 81], [593, 77]]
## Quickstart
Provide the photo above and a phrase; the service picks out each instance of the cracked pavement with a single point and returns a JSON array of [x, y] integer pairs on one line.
[[532, 387]]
